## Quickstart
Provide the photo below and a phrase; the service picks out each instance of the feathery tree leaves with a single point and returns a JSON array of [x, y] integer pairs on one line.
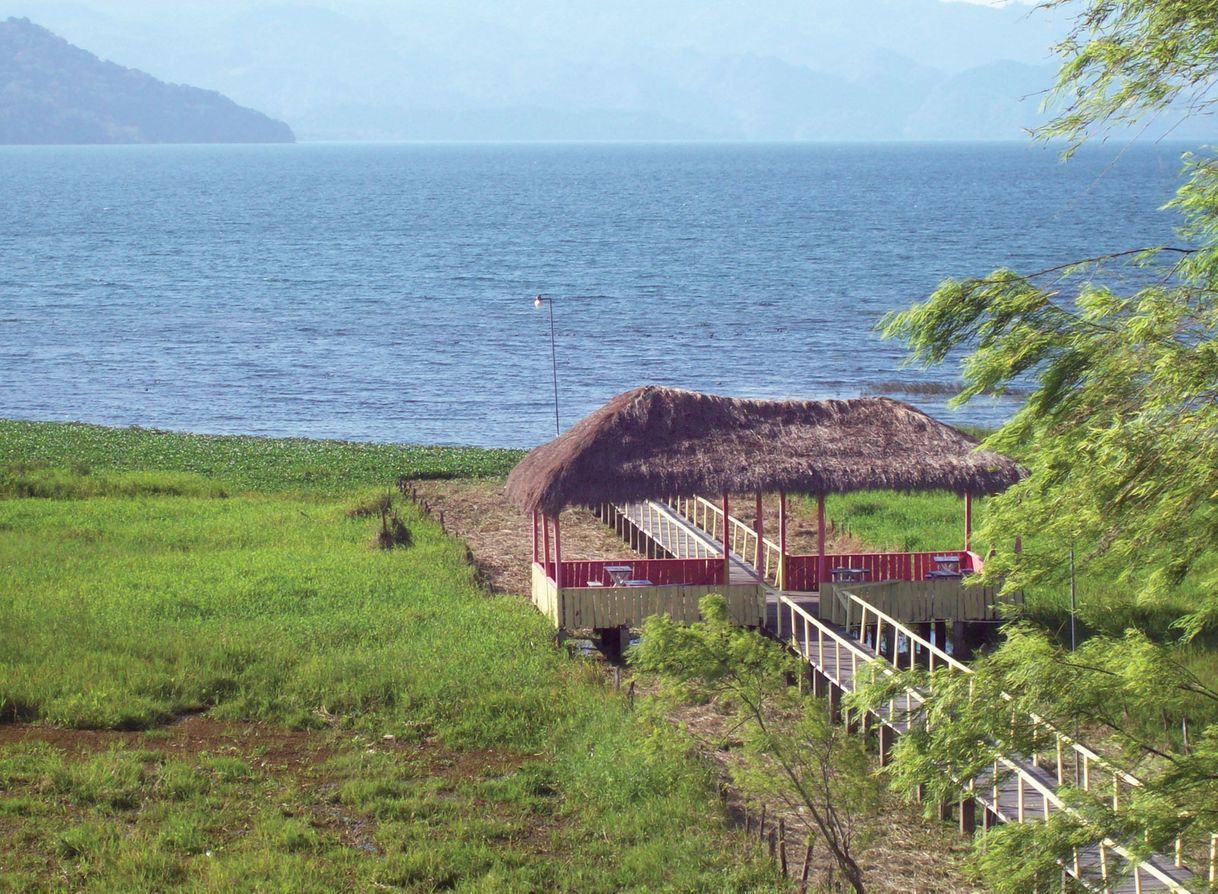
[[1120, 434], [790, 751]]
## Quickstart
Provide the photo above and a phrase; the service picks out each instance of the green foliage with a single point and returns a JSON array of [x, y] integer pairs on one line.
[[791, 752], [1118, 434], [1129, 59]]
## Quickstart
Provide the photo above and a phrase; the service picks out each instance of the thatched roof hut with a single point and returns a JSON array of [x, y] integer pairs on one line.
[[655, 442]]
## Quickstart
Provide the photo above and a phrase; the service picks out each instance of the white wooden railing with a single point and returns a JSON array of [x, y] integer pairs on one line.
[[760, 552], [1086, 762]]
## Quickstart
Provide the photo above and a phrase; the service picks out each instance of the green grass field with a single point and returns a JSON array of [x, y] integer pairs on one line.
[[148, 577]]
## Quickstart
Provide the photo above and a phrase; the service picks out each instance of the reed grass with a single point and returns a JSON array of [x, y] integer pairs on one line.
[[445, 742]]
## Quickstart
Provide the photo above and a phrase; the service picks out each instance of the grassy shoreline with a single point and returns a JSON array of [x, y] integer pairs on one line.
[[443, 741]]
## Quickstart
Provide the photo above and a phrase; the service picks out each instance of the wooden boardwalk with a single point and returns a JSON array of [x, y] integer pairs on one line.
[[1016, 788], [681, 539]]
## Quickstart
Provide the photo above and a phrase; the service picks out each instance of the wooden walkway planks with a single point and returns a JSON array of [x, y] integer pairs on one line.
[[681, 538]]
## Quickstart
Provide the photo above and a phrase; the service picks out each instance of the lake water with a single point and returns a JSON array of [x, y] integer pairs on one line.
[[385, 292]]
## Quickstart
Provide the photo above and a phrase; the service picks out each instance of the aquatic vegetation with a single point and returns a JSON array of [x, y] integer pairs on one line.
[[243, 462]]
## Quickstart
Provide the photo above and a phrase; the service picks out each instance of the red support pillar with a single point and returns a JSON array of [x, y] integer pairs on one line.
[[727, 539], [782, 539], [821, 576], [545, 542], [968, 521], [557, 551], [534, 535]]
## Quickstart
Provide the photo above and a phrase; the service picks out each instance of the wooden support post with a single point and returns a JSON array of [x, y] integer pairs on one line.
[[968, 816], [806, 869], [821, 569], [557, 551], [534, 535], [727, 540], [968, 521], [782, 540], [923, 630], [819, 683], [945, 811], [835, 703], [887, 739], [545, 539], [962, 646]]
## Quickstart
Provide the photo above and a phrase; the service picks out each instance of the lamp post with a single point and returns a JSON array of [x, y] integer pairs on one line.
[[537, 302]]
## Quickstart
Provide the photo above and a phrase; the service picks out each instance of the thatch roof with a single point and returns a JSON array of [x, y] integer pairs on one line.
[[654, 442]]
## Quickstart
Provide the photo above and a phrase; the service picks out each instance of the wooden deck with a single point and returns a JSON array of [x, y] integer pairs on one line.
[[655, 530]]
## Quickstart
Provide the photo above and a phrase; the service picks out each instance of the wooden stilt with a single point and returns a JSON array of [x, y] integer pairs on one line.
[[887, 740], [968, 816], [941, 634], [962, 647]]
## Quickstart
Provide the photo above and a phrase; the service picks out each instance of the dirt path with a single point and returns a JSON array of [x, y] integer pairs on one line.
[[498, 534]]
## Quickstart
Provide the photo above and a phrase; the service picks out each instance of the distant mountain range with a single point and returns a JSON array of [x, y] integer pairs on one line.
[[589, 70], [54, 93]]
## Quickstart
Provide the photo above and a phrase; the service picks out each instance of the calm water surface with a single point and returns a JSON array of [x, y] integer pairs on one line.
[[385, 292]]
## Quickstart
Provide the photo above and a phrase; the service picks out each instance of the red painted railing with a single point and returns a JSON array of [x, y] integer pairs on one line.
[[802, 571], [661, 572]]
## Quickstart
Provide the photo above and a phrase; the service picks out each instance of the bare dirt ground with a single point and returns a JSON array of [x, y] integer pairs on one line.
[[274, 747], [905, 852], [268, 747], [498, 534]]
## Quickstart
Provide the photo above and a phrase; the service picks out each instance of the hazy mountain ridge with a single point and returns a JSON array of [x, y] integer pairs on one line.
[[54, 92], [636, 70]]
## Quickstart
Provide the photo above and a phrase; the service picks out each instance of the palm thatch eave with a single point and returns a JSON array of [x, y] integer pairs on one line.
[[655, 442]]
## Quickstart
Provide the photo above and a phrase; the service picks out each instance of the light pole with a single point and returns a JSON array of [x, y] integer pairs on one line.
[[537, 302]]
